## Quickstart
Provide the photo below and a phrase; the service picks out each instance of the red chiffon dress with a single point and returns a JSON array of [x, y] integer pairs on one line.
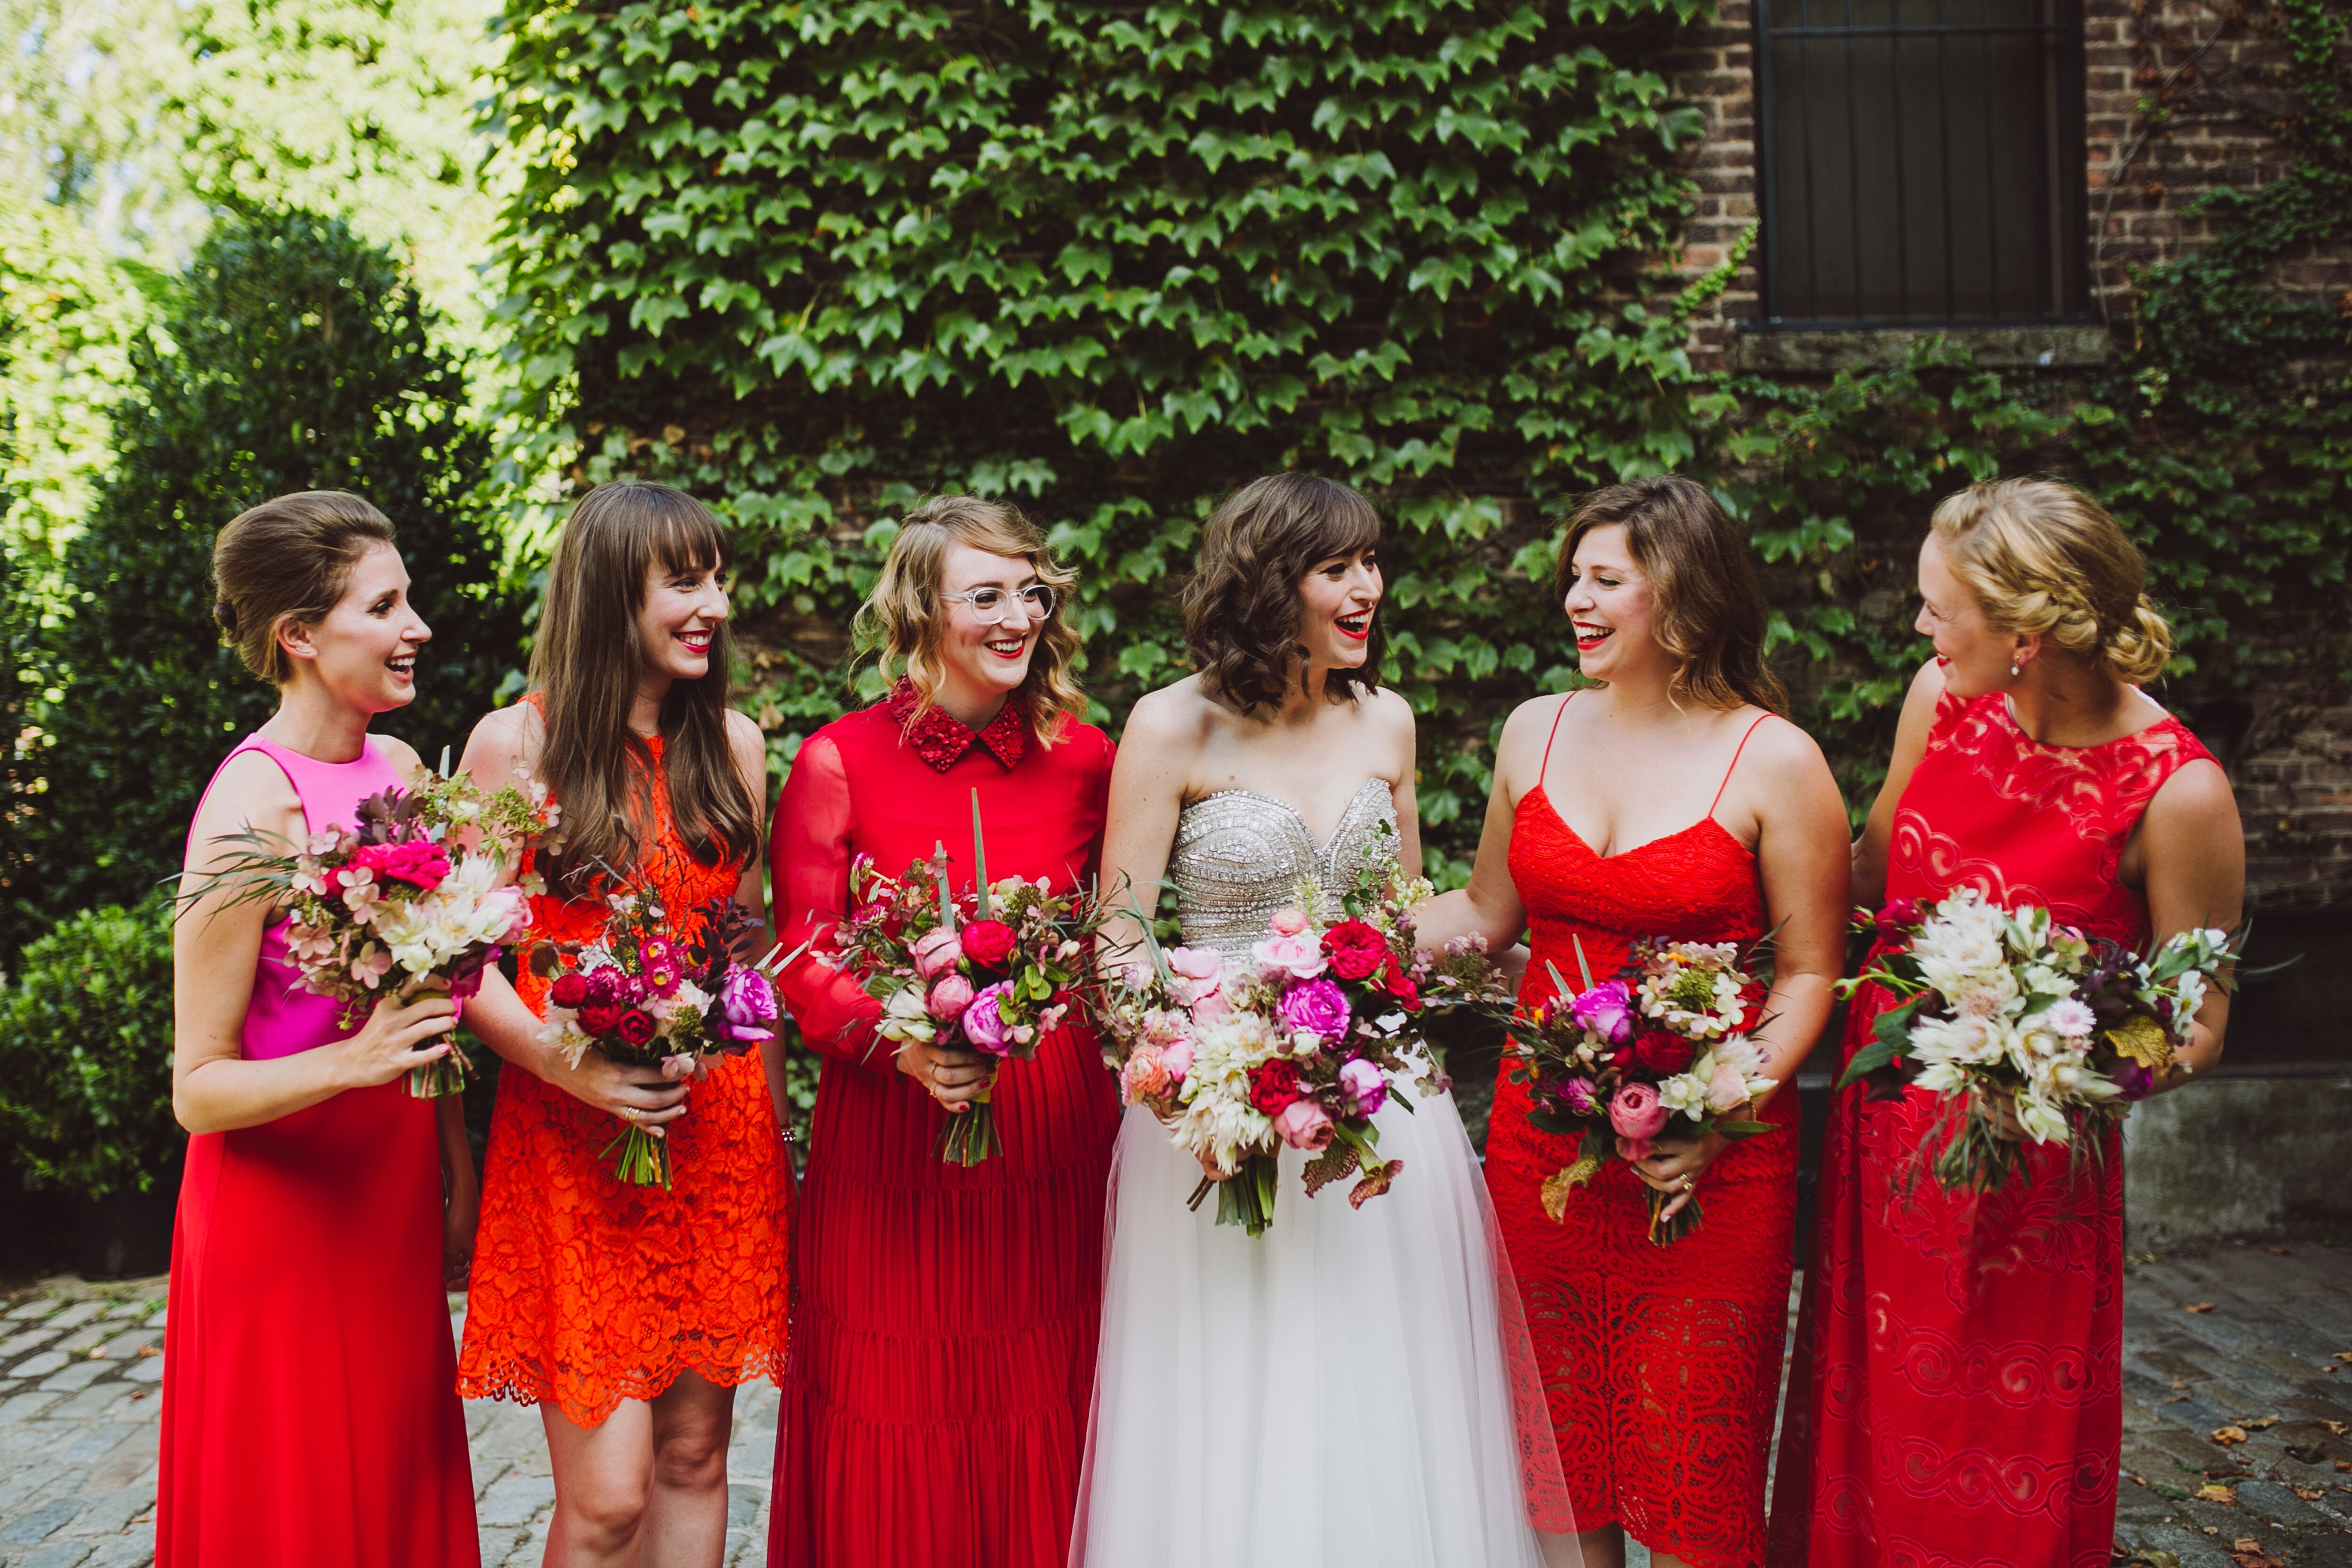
[[1956, 1394], [1660, 1363], [310, 1413], [943, 1344], [586, 1289]]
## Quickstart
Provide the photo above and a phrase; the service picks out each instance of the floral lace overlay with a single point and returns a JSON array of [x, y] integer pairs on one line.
[[587, 1290], [1660, 1364]]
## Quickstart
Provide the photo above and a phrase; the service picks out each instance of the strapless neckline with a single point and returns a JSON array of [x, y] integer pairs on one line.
[[1678, 835], [1239, 856], [1339, 828]]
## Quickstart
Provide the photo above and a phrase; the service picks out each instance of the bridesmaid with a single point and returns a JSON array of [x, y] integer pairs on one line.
[[943, 1346], [309, 1412], [1669, 799], [1957, 1389], [629, 1313]]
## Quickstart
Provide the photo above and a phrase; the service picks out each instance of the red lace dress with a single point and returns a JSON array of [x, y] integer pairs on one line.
[[587, 1290], [1957, 1395], [943, 1345], [1660, 1363]]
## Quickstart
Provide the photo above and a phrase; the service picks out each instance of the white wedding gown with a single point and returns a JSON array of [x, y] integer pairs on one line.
[[1353, 1388]]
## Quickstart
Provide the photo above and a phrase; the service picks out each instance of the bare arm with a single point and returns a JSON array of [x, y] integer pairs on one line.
[[750, 753], [1910, 746], [2194, 850], [1146, 795], [215, 946], [1490, 908]]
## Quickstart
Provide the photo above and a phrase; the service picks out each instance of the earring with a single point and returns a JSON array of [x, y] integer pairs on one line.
[[2014, 671]]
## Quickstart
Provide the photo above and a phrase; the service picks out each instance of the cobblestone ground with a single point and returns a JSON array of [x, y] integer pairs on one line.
[[2237, 1416]]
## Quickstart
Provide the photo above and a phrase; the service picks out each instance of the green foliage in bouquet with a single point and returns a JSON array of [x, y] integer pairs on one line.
[[86, 1052]]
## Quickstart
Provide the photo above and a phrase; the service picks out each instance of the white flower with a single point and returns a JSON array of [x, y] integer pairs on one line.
[[2191, 990], [2072, 1018], [905, 1018], [2042, 1122]]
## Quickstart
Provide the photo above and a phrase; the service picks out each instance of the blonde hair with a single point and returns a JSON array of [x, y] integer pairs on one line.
[[2044, 559], [901, 617]]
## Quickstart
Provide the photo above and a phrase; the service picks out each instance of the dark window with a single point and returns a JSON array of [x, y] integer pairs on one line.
[[1921, 159]]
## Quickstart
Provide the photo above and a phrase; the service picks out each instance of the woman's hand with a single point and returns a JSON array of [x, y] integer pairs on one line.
[[952, 1074], [1674, 1165], [461, 1211], [397, 1036], [2001, 1112], [645, 1096]]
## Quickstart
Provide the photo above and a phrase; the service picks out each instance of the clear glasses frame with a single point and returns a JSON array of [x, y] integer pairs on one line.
[[995, 605]]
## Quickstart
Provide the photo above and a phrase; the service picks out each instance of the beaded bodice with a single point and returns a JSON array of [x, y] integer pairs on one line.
[[1239, 856]]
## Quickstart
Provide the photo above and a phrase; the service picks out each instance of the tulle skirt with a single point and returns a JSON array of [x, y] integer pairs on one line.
[[1355, 1388]]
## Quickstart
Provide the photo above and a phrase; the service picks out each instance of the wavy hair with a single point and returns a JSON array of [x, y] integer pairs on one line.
[[585, 669], [1710, 616], [1241, 609], [2044, 559], [900, 619]]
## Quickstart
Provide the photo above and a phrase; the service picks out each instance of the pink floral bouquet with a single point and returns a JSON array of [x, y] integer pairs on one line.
[[993, 970], [645, 995], [1660, 1049], [1299, 1046], [411, 897]]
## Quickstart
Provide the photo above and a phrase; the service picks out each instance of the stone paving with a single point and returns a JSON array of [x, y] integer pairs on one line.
[[2237, 1416]]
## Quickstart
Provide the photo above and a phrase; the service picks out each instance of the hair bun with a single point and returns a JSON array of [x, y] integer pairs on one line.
[[224, 615]]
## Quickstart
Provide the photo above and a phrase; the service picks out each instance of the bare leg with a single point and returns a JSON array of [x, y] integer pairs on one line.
[[647, 1488], [686, 1517], [1605, 1548]]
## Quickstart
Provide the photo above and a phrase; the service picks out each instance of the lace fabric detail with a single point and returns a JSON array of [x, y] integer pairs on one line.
[[586, 1290], [1239, 856]]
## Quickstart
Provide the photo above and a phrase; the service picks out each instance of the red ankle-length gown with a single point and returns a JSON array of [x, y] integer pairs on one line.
[[1661, 1364], [309, 1409], [587, 1290], [943, 1350], [1957, 1394]]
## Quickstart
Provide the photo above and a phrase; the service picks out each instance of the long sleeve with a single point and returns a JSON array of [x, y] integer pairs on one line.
[[809, 858]]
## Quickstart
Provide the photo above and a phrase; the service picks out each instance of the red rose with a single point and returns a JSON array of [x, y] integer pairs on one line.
[[569, 990], [1273, 1084], [638, 1026], [1401, 986], [988, 943], [600, 1018], [1895, 920], [1357, 951], [1655, 1050]]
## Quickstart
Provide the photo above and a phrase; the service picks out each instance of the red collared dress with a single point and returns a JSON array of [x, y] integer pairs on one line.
[[943, 1340]]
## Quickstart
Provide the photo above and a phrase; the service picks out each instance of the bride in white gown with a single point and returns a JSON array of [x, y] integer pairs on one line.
[[1355, 1388]]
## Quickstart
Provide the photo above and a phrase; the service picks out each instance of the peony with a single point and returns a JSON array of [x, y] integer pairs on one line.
[[1728, 1090], [605, 984], [637, 1026], [1636, 1112], [988, 943], [1304, 1124], [600, 1017], [1203, 965], [1606, 1010], [1659, 1051], [1273, 1084], [1295, 954], [418, 862], [983, 1020], [936, 952], [1317, 1007], [1365, 1089], [1288, 922], [749, 1002], [950, 994], [569, 990], [1357, 951]]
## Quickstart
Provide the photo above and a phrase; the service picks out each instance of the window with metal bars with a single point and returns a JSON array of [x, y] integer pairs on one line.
[[1921, 161]]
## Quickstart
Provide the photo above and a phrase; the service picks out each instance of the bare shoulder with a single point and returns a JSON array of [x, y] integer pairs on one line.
[[400, 754], [1781, 748], [249, 792], [1179, 715], [744, 735], [1926, 689], [502, 742], [2197, 798], [1387, 711]]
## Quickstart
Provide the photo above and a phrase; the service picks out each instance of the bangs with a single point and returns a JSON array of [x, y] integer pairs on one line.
[[1335, 521], [689, 538]]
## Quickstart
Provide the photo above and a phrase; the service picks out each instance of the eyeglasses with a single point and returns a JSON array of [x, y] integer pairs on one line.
[[995, 605]]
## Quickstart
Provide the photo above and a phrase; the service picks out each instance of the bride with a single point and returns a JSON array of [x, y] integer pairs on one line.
[[1355, 1386]]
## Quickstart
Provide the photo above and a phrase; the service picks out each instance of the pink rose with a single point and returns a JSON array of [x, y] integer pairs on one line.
[[1636, 1111], [1728, 1090], [1208, 1009], [1288, 922], [1306, 1125], [938, 952], [1197, 963], [1364, 1086], [1178, 1059], [1294, 953], [950, 994]]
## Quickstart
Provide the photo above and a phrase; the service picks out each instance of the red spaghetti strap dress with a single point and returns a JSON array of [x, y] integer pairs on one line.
[[586, 1289], [943, 1346], [1956, 1394], [1660, 1363], [310, 1413]]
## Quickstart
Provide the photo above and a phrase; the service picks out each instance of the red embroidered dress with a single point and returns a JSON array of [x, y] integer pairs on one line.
[[587, 1290], [1956, 1394], [943, 1342], [1660, 1363]]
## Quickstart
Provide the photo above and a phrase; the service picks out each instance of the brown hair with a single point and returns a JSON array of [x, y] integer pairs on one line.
[[585, 668], [2043, 559], [287, 560], [901, 617], [1710, 614], [1241, 609]]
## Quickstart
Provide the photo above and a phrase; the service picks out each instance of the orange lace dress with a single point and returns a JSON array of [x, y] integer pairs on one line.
[[587, 1290]]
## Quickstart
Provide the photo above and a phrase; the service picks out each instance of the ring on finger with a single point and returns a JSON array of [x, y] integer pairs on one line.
[[630, 1111]]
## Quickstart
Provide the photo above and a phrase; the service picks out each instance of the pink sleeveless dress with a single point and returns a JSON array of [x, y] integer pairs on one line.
[[311, 1412]]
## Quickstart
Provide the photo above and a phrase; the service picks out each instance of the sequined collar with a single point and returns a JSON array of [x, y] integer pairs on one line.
[[941, 739]]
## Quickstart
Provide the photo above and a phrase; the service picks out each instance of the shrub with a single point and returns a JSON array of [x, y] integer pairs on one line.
[[86, 1052]]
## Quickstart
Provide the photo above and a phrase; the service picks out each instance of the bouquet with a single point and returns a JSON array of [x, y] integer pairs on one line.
[[1661, 1048], [2009, 1004], [646, 996], [410, 897], [1301, 1045], [992, 970]]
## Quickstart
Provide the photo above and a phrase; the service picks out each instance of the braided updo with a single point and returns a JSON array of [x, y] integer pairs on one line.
[[2043, 559]]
